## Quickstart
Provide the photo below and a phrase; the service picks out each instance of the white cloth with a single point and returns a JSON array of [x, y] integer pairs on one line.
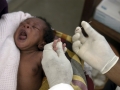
[[9, 53], [118, 88], [61, 86]]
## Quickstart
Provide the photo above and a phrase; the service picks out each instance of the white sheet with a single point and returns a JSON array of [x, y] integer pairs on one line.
[[9, 54]]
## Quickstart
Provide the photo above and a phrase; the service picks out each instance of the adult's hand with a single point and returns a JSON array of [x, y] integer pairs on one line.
[[93, 49], [56, 66]]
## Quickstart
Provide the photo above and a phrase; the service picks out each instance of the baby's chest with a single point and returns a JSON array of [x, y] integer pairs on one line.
[[28, 68]]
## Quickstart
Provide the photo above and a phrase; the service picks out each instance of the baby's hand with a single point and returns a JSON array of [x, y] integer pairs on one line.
[[55, 44]]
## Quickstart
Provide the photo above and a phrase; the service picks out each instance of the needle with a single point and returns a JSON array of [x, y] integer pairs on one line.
[[88, 22]]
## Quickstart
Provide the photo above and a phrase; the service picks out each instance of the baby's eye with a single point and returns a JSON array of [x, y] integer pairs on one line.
[[21, 23], [35, 27]]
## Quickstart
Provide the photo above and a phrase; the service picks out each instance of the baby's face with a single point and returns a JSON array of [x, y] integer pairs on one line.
[[29, 33]]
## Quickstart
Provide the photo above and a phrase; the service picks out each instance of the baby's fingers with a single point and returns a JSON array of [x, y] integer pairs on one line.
[[55, 43]]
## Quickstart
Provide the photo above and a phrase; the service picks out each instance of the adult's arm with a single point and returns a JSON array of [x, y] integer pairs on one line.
[[114, 73], [3, 7]]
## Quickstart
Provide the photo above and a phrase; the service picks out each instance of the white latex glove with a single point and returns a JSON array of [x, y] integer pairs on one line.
[[93, 49], [56, 66]]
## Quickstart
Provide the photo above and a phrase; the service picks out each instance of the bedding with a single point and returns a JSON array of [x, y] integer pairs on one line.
[[9, 54]]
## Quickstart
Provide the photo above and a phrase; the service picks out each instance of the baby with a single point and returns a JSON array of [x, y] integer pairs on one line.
[[30, 37]]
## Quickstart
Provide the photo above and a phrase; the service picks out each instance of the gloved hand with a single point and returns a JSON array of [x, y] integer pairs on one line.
[[56, 66], [93, 49]]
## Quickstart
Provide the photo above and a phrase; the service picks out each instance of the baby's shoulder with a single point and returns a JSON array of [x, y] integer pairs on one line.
[[39, 55]]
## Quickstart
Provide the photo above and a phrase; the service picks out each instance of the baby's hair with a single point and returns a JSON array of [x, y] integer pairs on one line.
[[48, 32]]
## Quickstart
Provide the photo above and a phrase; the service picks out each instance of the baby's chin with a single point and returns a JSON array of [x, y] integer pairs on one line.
[[20, 45]]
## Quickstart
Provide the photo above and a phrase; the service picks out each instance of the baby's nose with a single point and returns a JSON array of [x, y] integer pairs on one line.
[[26, 26]]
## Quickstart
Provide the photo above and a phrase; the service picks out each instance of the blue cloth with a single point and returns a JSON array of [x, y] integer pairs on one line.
[[3, 7]]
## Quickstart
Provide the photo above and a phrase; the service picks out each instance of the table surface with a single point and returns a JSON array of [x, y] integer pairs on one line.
[[105, 30]]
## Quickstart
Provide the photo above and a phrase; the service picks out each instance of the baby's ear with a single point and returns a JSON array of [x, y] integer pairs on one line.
[[41, 45]]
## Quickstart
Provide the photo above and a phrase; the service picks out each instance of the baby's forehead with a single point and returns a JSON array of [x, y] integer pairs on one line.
[[33, 19], [36, 21]]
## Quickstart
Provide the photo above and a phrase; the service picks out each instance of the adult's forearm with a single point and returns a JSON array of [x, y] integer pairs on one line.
[[3, 7], [114, 73]]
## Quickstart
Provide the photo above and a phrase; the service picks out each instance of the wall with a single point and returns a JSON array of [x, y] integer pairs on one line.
[[64, 15]]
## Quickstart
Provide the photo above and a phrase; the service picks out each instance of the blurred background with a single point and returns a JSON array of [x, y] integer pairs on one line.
[[63, 15]]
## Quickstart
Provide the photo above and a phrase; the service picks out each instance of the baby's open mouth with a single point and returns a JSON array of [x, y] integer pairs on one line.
[[23, 35]]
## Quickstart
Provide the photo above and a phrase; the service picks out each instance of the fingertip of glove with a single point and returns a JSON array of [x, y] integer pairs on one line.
[[77, 27], [75, 37], [83, 22], [59, 45], [65, 49], [78, 30]]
